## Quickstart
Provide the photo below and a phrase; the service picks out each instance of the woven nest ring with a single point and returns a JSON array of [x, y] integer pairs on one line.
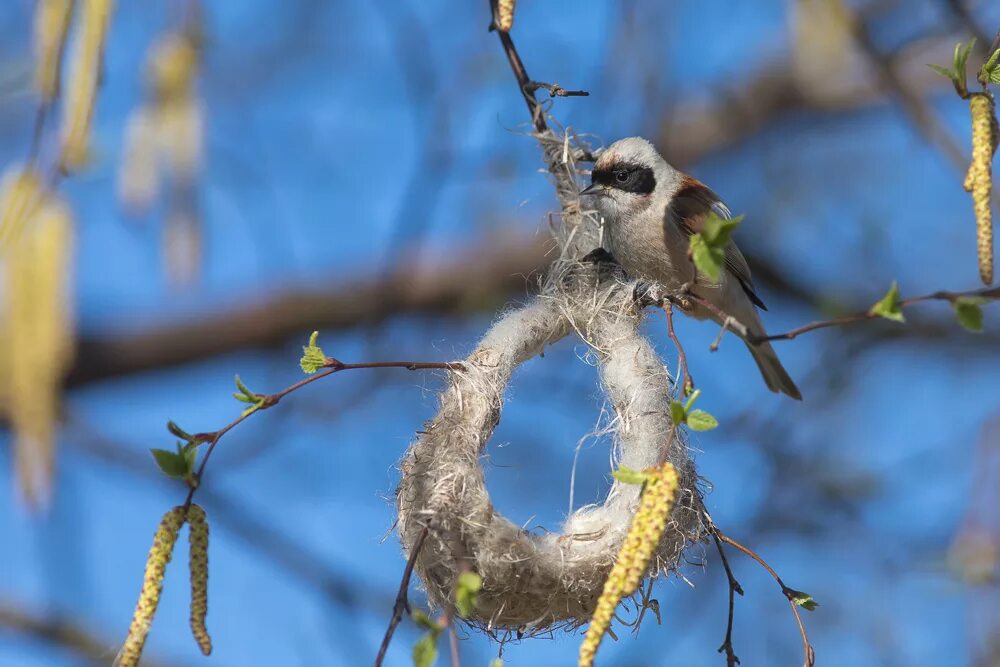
[[536, 581]]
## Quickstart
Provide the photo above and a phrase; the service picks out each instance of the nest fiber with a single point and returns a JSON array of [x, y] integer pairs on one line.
[[537, 581]]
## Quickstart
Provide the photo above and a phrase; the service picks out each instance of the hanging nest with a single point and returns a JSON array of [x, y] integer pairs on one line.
[[537, 582]]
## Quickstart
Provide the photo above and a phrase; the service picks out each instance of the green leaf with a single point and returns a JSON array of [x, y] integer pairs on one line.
[[718, 230], [425, 651], [888, 306], [466, 593], [968, 313], [945, 72], [172, 464], [244, 394], [190, 454], [699, 420], [691, 399], [708, 247], [962, 56], [804, 600], [313, 358], [629, 476], [423, 620], [178, 432], [677, 412], [991, 68], [708, 259]]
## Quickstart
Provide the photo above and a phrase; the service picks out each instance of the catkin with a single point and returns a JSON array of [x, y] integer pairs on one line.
[[37, 340], [152, 585], [52, 18], [21, 193], [505, 15], [198, 560], [637, 549], [78, 110], [979, 178]]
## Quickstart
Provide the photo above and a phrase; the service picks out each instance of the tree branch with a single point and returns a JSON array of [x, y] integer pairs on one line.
[[480, 277], [61, 632]]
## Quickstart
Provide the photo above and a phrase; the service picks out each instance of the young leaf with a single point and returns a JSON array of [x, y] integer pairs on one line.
[[804, 600], [677, 412], [244, 394], [968, 313], [707, 258], [888, 306], [313, 358], [172, 464], [178, 432], [466, 592], [425, 651], [629, 476], [423, 620], [718, 230], [962, 56], [945, 72], [991, 68], [190, 455], [691, 399], [699, 420]]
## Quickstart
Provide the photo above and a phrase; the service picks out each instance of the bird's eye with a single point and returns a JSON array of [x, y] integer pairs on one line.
[[621, 176]]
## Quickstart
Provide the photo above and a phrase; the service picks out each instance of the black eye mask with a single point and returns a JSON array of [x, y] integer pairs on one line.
[[627, 178]]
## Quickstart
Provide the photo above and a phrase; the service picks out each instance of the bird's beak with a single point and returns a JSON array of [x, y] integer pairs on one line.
[[592, 189]]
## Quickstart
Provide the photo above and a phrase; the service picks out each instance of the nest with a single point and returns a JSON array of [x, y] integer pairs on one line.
[[534, 582]]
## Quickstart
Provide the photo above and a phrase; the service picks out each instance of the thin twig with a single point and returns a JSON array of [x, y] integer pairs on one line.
[[790, 593], [951, 297], [734, 588], [270, 400], [456, 661], [402, 604], [528, 87], [687, 382], [989, 293], [554, 89]]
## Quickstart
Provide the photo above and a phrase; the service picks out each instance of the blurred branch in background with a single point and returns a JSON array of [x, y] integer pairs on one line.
[[482, 278], [63, 633]]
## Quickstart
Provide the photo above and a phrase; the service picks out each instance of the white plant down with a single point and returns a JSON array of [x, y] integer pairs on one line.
[[533, 582]]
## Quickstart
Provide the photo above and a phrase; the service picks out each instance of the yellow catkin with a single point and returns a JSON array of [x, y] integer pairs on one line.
[[172, 64], [198, 560], [633, 559], [38, 340], [152, 585], [52, 19], [138, 172], [85, 73], [21, 193], [979, 178], [505, 15]]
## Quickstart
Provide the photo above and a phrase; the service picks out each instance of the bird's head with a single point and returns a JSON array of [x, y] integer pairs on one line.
[[628, 178]]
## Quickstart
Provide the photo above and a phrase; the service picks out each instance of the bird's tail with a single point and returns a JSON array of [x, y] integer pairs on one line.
[[774, 373]]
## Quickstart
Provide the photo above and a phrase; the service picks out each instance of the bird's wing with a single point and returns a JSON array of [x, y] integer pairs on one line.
[[688, 208]]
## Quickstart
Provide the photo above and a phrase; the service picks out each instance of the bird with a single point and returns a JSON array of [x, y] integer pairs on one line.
[[649, 211]]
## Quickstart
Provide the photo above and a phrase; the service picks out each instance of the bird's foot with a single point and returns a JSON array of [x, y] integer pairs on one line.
[[598, 256], [648, 294]]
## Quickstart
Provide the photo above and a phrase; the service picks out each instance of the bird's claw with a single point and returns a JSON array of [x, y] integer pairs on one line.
[[598, 256], [647, 294]]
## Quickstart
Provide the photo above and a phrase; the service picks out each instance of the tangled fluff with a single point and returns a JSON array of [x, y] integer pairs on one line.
[[534, 582]]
